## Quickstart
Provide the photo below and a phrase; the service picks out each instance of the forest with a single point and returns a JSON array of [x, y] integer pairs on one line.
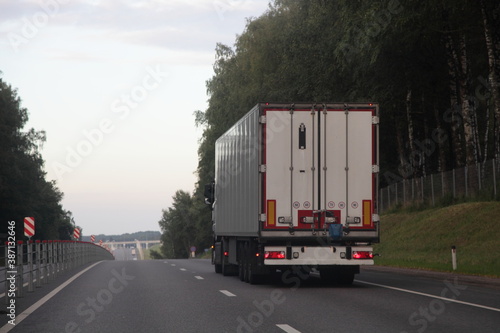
[[432, 65], [24, 191]]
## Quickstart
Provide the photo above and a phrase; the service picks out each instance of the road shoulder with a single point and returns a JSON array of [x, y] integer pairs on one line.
[[463, 278]]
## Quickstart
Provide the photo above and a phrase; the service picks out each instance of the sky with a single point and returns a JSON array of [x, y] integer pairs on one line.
[[114, 84]]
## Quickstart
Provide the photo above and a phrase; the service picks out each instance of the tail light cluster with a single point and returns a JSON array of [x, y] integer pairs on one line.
[[282, 255], [362, 255], [274, 255]]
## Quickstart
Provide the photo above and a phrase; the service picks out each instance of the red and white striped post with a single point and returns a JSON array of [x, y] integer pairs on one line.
[[29, 227], [76, 234]]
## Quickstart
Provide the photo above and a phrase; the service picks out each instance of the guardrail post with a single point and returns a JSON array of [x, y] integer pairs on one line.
[[50, 252], [20, 264], [80, 253], [74, 259], [45, 263], [57, 257], [61, 247], [38, 264], [30, 265], [64, 255]]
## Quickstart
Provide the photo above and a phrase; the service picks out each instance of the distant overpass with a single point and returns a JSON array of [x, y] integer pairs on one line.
[[145, 244]]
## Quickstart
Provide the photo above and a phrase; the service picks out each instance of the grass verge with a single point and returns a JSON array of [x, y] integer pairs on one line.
[[423, 239], [155, 247]]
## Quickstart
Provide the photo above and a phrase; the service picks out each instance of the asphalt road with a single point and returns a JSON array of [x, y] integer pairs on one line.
[[187, 296]]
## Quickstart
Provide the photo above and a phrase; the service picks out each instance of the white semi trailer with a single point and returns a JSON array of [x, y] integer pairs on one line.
[[296, 186]]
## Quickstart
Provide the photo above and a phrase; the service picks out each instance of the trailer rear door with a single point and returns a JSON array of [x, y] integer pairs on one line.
[[320, 166]]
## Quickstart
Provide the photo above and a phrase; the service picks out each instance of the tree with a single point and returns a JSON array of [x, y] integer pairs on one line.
[[178, 227], [23, 188]]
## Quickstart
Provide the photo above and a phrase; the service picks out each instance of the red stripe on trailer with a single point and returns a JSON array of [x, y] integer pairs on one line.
[[374, 162], [264, 162]]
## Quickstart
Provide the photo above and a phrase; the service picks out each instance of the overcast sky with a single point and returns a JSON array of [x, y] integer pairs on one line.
[[115, 84]]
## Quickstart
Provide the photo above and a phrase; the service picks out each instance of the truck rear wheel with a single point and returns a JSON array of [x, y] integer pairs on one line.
[[252, 277], [241, 262], [217, 255]]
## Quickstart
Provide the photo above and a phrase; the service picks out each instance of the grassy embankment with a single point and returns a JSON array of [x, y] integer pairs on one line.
[[423, 239], [155, 247]]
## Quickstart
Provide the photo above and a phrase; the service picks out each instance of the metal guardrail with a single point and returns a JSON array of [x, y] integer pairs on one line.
[[34, 263]]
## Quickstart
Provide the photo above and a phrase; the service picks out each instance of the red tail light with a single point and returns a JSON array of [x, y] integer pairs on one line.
[[362, 255], [226, 253], [274, 255]]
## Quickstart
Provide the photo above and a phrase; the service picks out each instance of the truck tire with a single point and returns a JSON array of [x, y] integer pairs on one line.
[[218, 267], [246, 263], [227, 269], [241, 271], [241, 262], [224, 269], [252, 277]]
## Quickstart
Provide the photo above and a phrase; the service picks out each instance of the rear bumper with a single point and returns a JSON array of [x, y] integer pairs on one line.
[[294, 235], [318, 255]]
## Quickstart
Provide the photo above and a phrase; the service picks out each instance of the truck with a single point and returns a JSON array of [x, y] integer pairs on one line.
[[295, 190]]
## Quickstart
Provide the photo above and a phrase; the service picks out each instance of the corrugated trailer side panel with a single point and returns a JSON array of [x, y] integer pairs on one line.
[[237, 178]]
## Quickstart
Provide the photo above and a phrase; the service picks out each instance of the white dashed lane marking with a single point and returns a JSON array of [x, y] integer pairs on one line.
[[287, 328], [227, 293]]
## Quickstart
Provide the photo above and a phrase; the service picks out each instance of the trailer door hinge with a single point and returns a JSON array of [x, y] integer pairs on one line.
[[262, 168], [375, 120], [262, 119], [375, 169], [262, 218]]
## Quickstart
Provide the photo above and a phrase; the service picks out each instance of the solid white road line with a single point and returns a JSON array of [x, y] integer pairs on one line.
[[225, 292], [20, 317], [431, 296], [287, 328]]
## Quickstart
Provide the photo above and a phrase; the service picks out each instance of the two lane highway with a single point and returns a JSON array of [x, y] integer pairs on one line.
[[187, 296]]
